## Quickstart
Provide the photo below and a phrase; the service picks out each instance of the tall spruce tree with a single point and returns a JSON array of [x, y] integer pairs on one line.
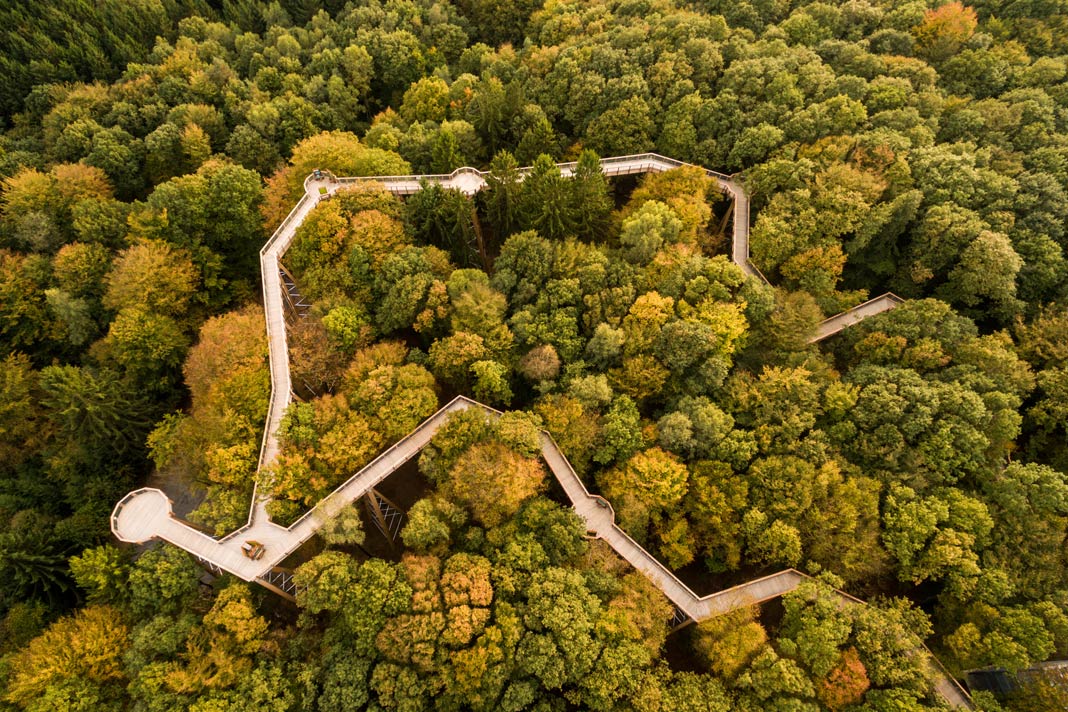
[[591, 202], [503, 194], [545, 206]]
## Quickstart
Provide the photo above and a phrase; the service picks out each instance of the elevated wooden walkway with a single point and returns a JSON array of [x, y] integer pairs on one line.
[[147, 513], [830, 327]]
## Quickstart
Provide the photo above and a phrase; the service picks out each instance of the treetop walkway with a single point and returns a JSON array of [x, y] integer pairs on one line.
[[470, 181], [830, 327], [147, 514]]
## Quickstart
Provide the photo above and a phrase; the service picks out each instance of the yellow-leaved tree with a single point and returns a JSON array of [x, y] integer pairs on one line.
[[79, 654]]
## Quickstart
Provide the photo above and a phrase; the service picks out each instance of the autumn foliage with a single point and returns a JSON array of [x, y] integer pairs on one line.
[[945, 29], [845, 684], [493, 481]]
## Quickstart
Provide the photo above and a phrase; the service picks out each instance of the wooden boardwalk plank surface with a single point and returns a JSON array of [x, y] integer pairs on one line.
[[838, 322]]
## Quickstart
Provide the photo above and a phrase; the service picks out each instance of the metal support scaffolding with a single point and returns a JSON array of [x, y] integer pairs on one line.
[[480, 243], [387, 516], [679, 620], [209, 566], [280, 581], [726, 217], [294, 300]]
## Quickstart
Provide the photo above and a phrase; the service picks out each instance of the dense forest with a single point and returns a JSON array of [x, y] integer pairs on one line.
[[150, 147]]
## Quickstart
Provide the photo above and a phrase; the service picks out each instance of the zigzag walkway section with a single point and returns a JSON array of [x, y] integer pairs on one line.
[[147, 514], [469, 181]]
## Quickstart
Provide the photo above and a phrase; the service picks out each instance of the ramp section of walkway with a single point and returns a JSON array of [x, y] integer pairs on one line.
[[830, 327]]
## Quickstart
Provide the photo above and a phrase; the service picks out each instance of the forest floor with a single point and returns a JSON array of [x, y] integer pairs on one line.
[[184, 494]]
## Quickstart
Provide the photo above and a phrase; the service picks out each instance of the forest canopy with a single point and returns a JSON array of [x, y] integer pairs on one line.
[[147, 151]]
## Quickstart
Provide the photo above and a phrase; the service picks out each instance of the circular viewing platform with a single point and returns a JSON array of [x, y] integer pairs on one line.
[[140, 515]]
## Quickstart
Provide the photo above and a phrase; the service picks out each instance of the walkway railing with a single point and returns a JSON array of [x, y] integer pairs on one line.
[[122, 504]]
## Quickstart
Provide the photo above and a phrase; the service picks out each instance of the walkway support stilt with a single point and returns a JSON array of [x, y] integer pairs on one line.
[[387, 516]]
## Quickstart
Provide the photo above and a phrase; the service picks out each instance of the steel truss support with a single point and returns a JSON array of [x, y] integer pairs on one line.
[[280, 580], [387, 516]]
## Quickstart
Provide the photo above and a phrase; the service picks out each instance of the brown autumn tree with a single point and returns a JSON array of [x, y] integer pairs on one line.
[[493, 481], [226, 344], [316, 365], [944, 30], [845, 684], [541, 363]]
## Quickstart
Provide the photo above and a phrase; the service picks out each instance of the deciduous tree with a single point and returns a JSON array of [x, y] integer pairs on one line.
[[493, 481]]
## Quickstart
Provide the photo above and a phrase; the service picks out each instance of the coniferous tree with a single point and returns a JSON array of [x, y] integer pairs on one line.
[[503, 194], [544, 206], [591, 202]]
